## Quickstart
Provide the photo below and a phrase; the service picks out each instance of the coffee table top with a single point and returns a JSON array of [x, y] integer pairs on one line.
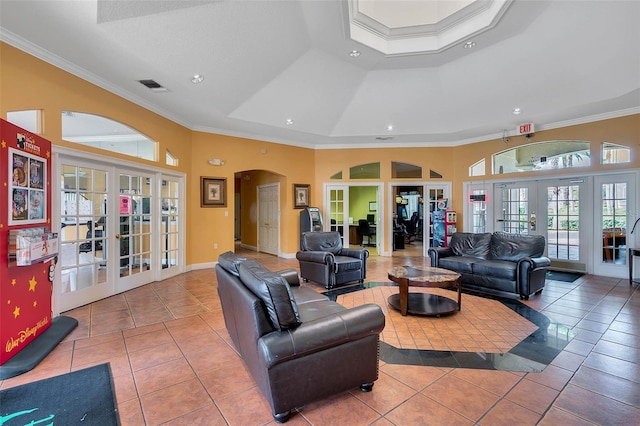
[[423, 275]]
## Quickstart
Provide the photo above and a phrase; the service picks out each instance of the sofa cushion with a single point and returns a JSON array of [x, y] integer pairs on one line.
[[274, 291], [513, 247], [496, 268], [230, 262], [460, 264], [470, 244], [345, 263]]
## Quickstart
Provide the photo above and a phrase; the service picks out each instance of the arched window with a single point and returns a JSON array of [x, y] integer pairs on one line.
[[550, 155], [365, 171], [104, 133]]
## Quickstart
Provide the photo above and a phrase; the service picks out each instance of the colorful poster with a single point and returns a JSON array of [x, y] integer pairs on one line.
[[28, 181]]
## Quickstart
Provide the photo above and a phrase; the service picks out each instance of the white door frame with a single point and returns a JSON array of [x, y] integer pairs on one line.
[[380, 213]]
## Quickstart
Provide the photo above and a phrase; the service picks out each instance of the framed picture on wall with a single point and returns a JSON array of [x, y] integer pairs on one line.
[[300, 196], [214, 192], [373, 206]]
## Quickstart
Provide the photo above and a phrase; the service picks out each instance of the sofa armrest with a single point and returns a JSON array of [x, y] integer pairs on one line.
[[361, 254], [533, 263], [435, 253], [316, 257], [290, 275], [320, 334]]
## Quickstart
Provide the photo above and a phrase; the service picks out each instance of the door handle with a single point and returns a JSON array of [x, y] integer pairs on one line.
[[117, 236], [532, 222]]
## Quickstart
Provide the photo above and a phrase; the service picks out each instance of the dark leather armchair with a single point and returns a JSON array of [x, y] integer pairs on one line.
[[323, 260], [298, 345]]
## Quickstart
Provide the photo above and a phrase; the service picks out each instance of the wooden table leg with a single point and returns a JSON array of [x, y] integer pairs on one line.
[[403, 283], [459, 281]]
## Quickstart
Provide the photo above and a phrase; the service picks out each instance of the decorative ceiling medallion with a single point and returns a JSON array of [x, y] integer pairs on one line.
[[398, 28]]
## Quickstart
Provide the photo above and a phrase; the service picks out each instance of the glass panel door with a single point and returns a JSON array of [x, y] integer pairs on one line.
[[83, 258], [613, 219], [563, 222], [338, 213], [516, 208], [136, 208], [171, 218]]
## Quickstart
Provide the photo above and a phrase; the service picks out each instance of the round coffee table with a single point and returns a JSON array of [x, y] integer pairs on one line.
[[423, 303]]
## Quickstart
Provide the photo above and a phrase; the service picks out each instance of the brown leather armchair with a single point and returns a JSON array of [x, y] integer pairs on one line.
[[323, 260]]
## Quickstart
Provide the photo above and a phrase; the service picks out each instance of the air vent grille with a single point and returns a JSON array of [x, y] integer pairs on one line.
[[153, 85]]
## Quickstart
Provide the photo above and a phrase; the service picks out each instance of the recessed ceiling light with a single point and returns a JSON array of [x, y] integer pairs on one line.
[[197, 78], [517, 111], [469, 45], [354, 53], [390, 127], [289, 122]]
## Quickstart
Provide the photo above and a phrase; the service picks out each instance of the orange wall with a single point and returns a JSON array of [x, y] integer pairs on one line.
[[28, 83], [286, 165]]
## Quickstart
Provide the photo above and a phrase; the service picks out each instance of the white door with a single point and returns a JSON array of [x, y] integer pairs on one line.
[[83, 262], [132, 236], [337, 211], [172, 241], [613, 222], [565, 221], [268, 218]]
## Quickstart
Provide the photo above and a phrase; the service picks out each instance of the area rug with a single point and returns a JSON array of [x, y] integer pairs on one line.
[[83, 397], [567, 277], [490, 332]]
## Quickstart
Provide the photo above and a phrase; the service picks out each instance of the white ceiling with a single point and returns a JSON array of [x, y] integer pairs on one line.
[[561, 62]]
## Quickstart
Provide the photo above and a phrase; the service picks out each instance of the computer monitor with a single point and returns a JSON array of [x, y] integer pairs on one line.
[[371, 218]]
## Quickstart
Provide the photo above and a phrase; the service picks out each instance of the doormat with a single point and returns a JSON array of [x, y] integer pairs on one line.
[[83, 397], [567, 277]]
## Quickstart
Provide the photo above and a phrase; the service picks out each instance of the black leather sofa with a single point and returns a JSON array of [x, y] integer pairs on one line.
[[323, 260], [298, 345], [496, 261]]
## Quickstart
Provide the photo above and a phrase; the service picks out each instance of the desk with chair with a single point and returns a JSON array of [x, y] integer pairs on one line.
[[355, 237], [366, 229]]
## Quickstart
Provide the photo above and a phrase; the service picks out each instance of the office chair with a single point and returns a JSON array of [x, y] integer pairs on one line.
[[366, 231], [92, 232]]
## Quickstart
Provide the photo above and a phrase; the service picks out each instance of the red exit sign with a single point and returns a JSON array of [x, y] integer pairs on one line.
[[525, 128]]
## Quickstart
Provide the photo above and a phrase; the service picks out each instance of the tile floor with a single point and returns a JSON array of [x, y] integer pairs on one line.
[[172, 363]]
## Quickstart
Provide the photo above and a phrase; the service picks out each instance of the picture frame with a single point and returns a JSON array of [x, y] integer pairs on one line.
[[373, 206], [213, 192], [300, 195]]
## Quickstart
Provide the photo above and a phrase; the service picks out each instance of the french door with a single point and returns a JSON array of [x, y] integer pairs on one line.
[[585, 220], [119, 229], [551, 208]]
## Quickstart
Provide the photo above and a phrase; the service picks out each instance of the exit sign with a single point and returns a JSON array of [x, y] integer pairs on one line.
[[525, 128]]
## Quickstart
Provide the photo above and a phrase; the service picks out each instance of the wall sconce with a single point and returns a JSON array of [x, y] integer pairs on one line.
[[216, 162]]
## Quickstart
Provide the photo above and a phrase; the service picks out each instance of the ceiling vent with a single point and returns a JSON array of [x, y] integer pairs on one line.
[[153, 85]]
